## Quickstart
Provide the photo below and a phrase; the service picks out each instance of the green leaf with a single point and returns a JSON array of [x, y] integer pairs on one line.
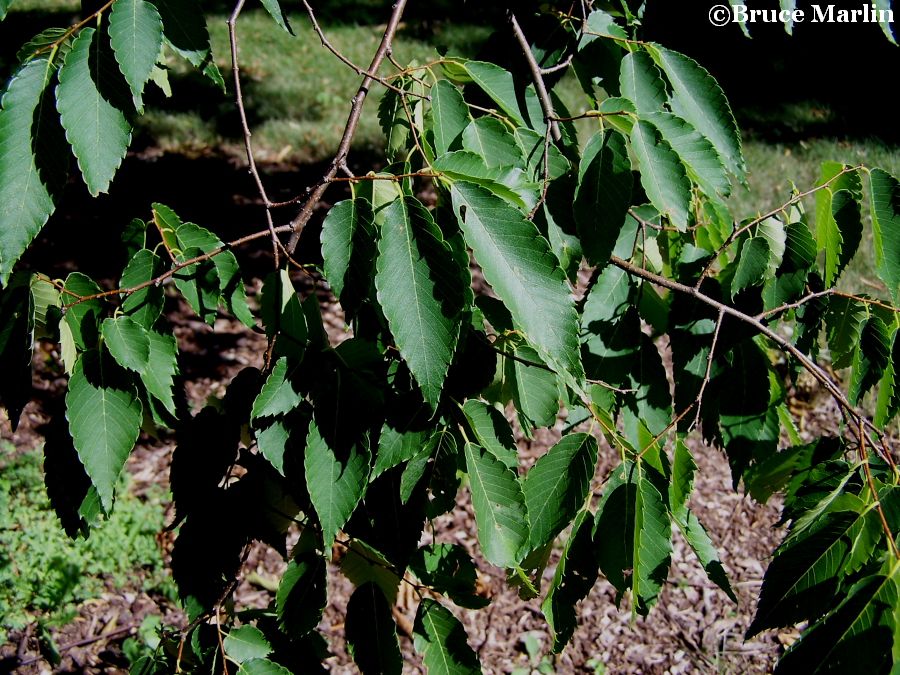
[[394, 123], [509, 183], [885, 10], [335, 484], [302, 594], [557, 485], [533, 146], [856, 637], [499, 508], [805, 573], [279, 395], [519, 266], [499, 85], [752, 264], [641, 83], [396, 447], [492, 140], [245, 643], [492, 431], [575, 575], [448, 569], [888, 403], [633, 532], [886, 229], [135, 34], [700, 159], [872, 356], [104, 419], [262, 667], [4, 8], [652, 543], [844, 320], [348, 251], [603, 194], [421, 294], [697, 98], [698, 539], [92, 99], [162, 367], [682, 483], [449, 116], [536, 395], [33, 160], [371, 632], [184, 26], [441, 640], [227, 271], [145, 305], [662, 174], [362, 564], [128, 342], [83, 316], [273, 7], [283, 316]]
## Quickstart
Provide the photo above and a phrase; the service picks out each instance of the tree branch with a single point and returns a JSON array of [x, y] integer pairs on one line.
[[540, 87], [340, 157]]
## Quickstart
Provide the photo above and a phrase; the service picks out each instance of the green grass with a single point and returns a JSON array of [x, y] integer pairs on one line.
[[773, 165], [296, 93], [44, 574]]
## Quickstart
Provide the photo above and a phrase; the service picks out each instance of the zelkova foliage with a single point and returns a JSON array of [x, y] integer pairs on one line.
[[602, 288]]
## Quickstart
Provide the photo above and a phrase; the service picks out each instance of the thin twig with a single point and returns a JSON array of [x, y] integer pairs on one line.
[[370, 73], [540, 87], [819, 294], [156, 281], [709, 362], [774, 212], [340, 157], [782, 343], [245, 128]]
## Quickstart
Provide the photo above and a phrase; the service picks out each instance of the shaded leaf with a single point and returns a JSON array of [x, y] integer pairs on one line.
[[371, 632], [33, 160], [662, 174], [575, 575], [348, 250], [335, 484], [499, 508], [872, 356], [145, 305], [752, 264], [519, 266], [420, 292], [886, 229], [448, 569], [698, 155], [441, 640], [302, 594], [603, 194]]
